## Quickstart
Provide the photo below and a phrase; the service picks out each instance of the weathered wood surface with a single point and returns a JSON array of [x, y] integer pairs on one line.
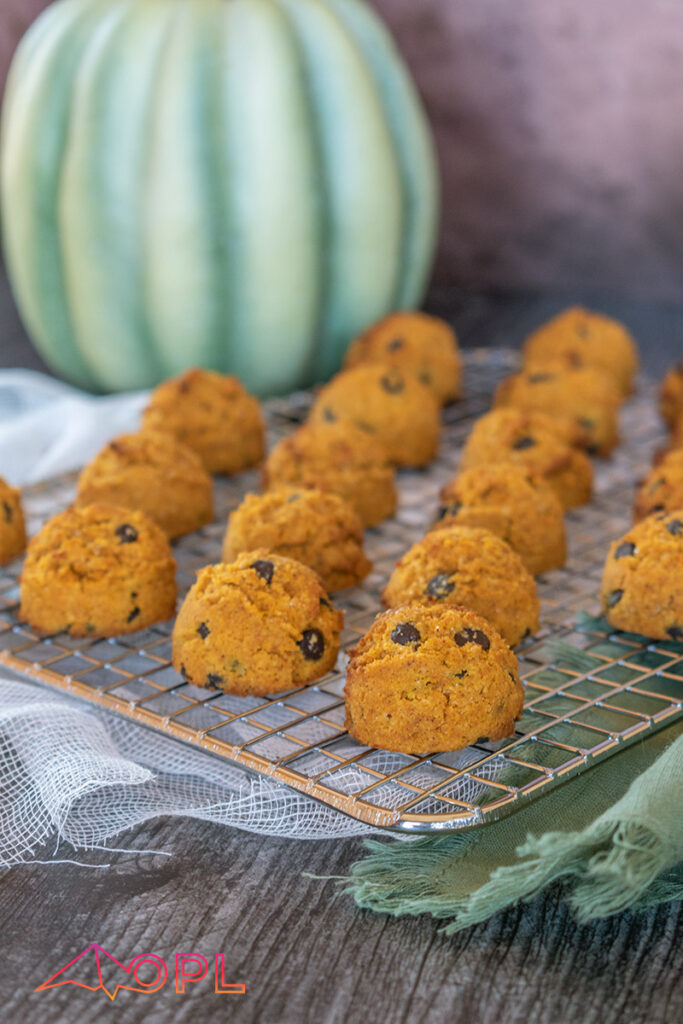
[[305, 955], [304, 952]]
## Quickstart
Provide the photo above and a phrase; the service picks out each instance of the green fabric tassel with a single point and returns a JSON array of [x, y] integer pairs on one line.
[[621, 846]]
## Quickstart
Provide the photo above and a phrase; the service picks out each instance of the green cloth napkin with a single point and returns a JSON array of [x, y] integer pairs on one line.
[[615, 834]]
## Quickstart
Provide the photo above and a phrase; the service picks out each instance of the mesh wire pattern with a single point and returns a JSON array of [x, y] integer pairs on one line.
[[589, 691]]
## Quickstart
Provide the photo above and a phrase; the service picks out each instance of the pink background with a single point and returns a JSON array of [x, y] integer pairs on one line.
[[560, 132]]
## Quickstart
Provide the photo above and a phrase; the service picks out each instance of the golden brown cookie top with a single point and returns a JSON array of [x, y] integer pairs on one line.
[[583, 383], [200, 405], [579, 338], [530, 438], [468, 553], [323, 447], [512, 488], [453, 637], [298, 514], [387, 403], [149, 451], [98, 541], [654, 538], [671, 396], [376, 382], [10, 504], [414, 342], [12, 525], [273, 585], [662, 489]]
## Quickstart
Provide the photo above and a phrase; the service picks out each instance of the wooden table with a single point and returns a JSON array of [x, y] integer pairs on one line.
[[304, 952]]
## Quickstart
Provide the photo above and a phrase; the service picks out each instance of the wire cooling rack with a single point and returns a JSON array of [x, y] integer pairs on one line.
[[589, 690]]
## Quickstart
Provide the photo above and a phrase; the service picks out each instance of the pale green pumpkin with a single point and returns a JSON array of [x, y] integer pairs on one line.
[[239, 184]]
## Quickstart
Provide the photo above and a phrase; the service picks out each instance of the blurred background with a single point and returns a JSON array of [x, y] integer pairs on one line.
[[561, 143], [559, 131]]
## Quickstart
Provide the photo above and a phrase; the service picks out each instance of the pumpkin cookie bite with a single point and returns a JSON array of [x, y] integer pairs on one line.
[[671, 396], [415, 343], [260, 625], [579, 338], [424, 680], [533, 441], [662, 489], [153, 472], [507, 500], [642, 583], [98, 571], [583, 397], [213, 415], [392, 406], [12, 526], [339, 458], [321, 530], [471, 568]]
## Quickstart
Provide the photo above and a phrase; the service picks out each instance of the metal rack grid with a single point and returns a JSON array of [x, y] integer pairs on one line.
[[589, 691]]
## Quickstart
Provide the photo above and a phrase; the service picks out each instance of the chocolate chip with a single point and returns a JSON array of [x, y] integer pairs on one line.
[[440, 586], [392, 383], [658, 508], [625, 550], [675, 527], [326, 603], [312, 644], [395, 344], [203, 630], [7, 509], [329, 415], [523, 443], [539, 378], [134, 614], [425, 377], [460, 675], [264, 569], [472, 636], [587, 424], [126, 533], [675, 632], [614, 598], [405, 634], [483, 739], [183, 672], [213, 679], [449, 510]]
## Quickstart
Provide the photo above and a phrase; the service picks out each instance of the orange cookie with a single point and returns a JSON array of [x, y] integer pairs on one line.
[[431, 679], [415, 343], [12, 526], [155, 473], [533, 441], [98, 571], [642, 584], [470, 568], [507, 500], [321, 530], [392, 406], [582, 397], [339, 458], [671, 396], [261, 625], [579, 338], [213, 415]]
